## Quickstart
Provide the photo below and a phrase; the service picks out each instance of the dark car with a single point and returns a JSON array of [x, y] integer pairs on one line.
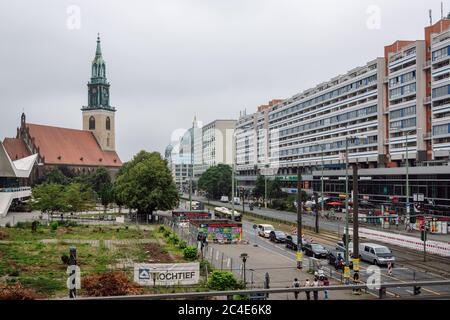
[[277, 236], [291, 242], [336, 258], [316, 250]]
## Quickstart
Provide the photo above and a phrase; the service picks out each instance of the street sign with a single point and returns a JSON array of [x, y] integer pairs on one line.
[[169, 274], [299, 256], [346, 272], [418, 197], [355, 264]]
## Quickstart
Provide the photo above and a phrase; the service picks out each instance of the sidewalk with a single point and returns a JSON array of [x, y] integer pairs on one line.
[[282, 271]]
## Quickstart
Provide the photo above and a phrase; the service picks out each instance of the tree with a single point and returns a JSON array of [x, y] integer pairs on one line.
[[103, 187], [55, 176], [49, 198], [274, 189], [106, 195], [260, 187], [216, 181], [78, 198], [146, 184]]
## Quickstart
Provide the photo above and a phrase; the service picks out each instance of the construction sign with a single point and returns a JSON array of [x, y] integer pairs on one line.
[[355, 264]]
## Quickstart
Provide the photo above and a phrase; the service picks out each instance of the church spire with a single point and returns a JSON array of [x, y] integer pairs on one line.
[[98, 52]]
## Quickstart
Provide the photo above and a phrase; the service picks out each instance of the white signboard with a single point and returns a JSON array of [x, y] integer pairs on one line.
[[167, 274]]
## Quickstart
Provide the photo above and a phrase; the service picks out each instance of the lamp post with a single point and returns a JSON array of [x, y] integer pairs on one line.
[[244, 257], [408, 209], [299, 219], [322, 182]]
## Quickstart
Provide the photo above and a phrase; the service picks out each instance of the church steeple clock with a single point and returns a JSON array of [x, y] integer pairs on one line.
[[98, 115]]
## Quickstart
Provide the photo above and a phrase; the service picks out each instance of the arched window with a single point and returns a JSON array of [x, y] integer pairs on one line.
[[91, 123], [108, 123]]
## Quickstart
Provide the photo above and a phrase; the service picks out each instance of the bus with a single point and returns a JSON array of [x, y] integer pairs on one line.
[[225, 213]]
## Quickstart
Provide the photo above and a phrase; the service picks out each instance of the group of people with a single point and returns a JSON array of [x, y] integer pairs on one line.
[[318, 281]]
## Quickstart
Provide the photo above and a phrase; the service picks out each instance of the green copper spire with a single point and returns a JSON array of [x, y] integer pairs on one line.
[[98, 52], [98, 94]]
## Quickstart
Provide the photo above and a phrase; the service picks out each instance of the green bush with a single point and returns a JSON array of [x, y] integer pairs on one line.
[[54, 225], [8, 225], [167, 233], [182, 244], [190, 253], [173, 238], [161, 229], [222, 281], [23, 225]]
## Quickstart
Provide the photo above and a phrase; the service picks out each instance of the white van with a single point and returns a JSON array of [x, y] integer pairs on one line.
[[265, 229], [376, 254]]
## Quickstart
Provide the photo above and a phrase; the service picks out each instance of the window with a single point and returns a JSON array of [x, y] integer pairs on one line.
[[91, 123], [441, 91], [441, 53], [108, 123], [408, 111], [442, 129]]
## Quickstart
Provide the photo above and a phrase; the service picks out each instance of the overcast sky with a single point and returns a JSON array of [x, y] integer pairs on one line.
[[170, 59]]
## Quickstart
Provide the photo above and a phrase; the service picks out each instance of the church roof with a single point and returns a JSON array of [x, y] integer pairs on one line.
[[16, 148], [61, 146]]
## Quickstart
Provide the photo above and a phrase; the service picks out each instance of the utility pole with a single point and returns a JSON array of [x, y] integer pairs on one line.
[[408, 217], [299, 219], [316, 208], [355, 220], [346, 205], [243, 201], [232, 176], [322, 184]]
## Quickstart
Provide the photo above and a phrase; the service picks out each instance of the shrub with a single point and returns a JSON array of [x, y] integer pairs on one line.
[[222, 281], [173, 238], [16, 292], [182, 244], [54, 225], [190, 253], [3, 235], [23, 225], [167, 233], [8, 225], [65, 259], [161, 229], [109, 284]]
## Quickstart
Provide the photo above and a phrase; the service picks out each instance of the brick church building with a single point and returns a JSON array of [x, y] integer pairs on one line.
[[81, 151]]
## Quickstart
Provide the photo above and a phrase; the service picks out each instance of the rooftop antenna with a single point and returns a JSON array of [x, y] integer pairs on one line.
[[431, 17], [442, 10]]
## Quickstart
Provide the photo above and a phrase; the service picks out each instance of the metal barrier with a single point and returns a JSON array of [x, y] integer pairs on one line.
[[190, 295]]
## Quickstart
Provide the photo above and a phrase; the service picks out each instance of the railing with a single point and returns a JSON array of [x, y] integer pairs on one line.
[[18, 189], [380, 287]]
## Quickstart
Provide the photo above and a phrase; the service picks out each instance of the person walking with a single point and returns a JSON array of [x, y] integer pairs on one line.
[[315, 284], [307, 292], [296, 284], [326, 283]]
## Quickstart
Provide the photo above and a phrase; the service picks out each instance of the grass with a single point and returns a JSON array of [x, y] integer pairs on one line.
[[24, 258]]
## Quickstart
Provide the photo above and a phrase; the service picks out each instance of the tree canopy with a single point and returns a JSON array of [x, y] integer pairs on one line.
[[216, 181], [145, 184]]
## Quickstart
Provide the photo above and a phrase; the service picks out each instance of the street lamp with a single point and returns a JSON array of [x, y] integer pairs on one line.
[[347, 232], [408, 210], [244, 257]]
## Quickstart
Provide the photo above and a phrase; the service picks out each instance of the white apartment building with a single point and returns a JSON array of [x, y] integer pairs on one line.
[[217, 145], [313, 126], [440, 98], [406, 84]]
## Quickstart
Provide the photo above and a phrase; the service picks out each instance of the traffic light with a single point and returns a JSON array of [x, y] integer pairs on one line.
[[417, 290], [423, 235]]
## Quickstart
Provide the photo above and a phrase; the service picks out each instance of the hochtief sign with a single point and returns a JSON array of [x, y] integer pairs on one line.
[[167, 274]]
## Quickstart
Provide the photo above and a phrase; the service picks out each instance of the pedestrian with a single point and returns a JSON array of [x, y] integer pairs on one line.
[[307, 292], [316, 285], [326, 283], [296, 284]]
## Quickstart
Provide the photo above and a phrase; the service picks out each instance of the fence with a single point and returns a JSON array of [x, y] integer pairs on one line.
[[217, 259]]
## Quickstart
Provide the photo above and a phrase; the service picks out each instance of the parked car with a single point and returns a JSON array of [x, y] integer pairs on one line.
[[315, 250], [237, 201], [277, 236], [376, 254], [291, 242], [336, 258], [340, 246], [224, 199], [265, 229]]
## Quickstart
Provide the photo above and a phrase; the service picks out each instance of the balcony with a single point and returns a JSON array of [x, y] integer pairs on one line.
[[427, 100], [427, 65]]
